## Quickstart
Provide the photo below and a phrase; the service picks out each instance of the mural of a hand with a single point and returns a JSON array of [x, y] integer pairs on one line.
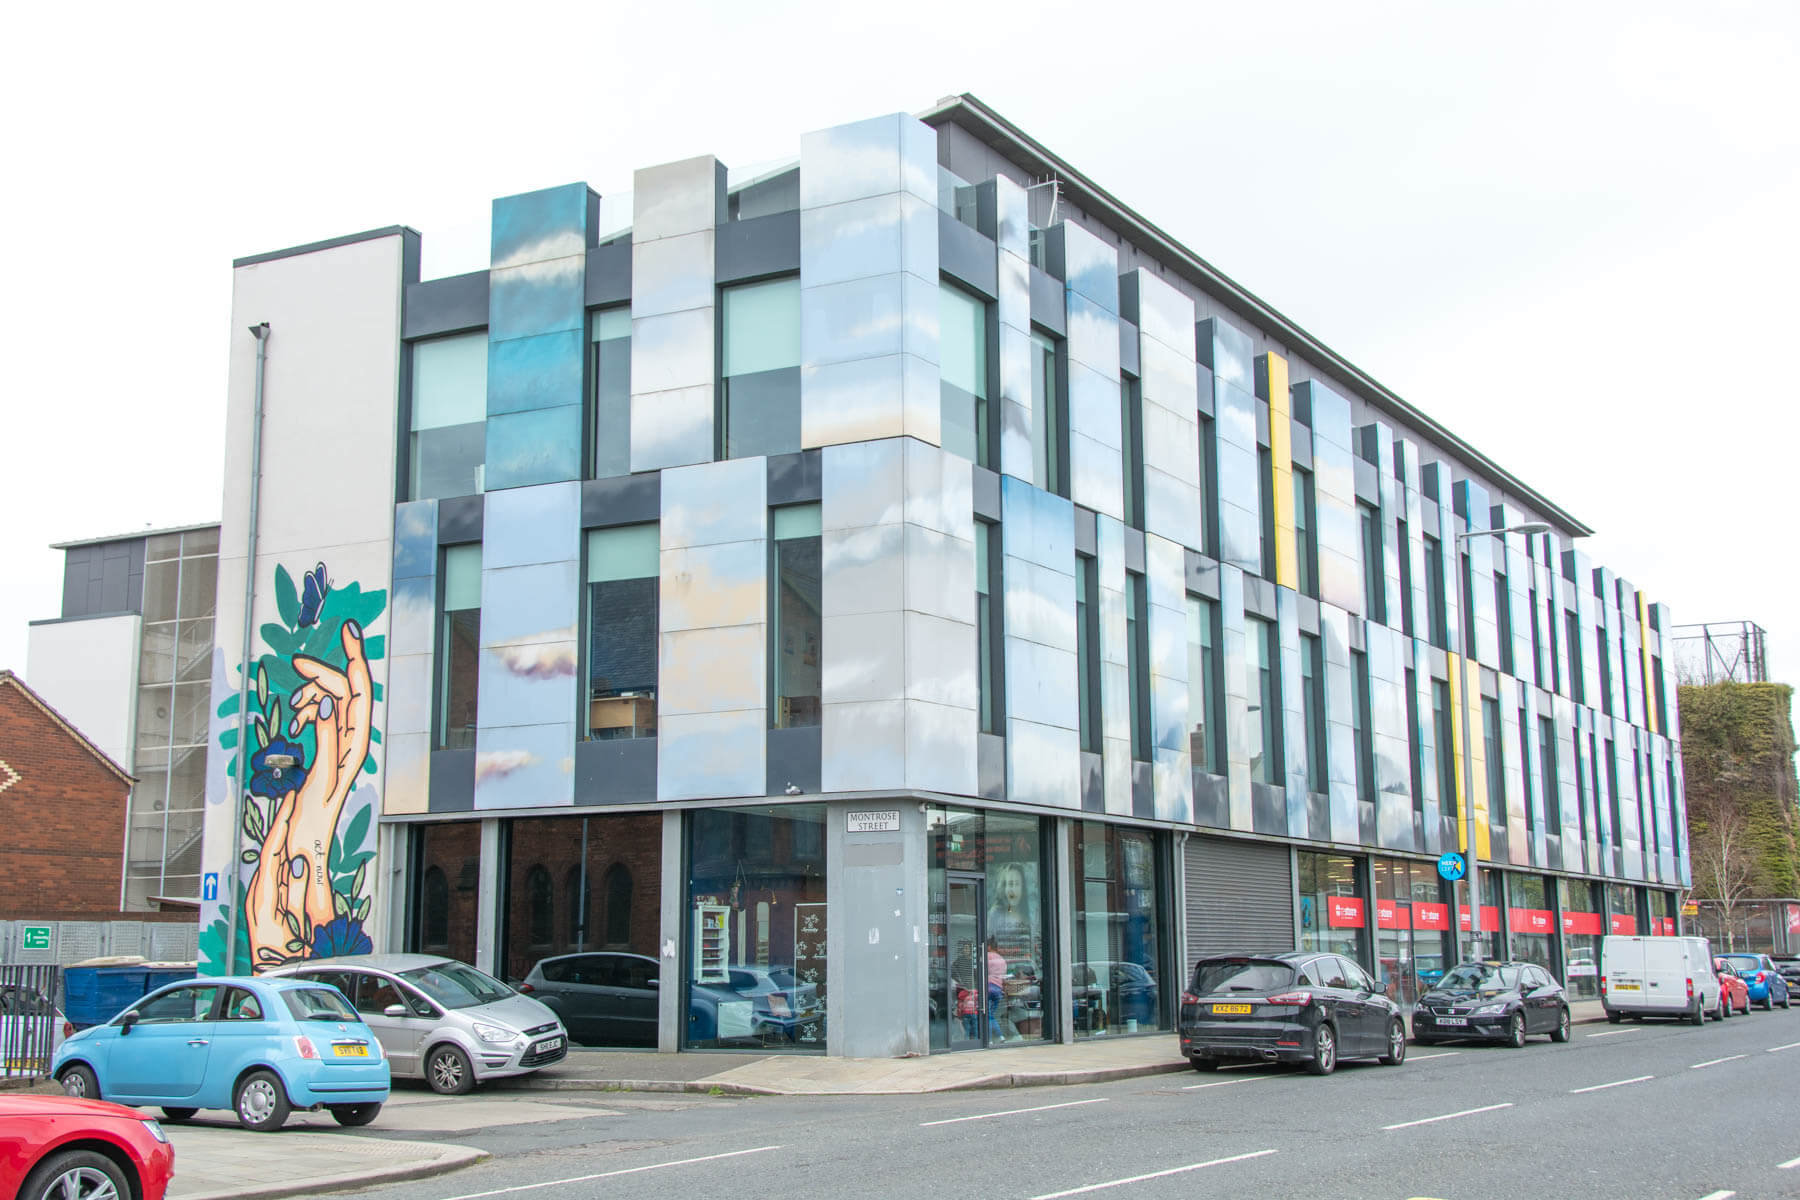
[[292, 878]]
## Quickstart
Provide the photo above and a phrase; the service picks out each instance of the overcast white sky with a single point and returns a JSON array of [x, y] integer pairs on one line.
[[1567, 231]]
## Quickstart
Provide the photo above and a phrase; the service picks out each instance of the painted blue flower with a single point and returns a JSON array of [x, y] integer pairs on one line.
[[263, 780], [343, 936]]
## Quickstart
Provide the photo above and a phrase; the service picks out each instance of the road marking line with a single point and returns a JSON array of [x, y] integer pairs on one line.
[[1012, 1112], [1789, 1165], [1601, 1087], [1423, 1057], [1715, 1062], [1778, 1049], [1467, 1112], [1192, 1087], [528, 1187], [1613, 1033], [1718, 1196], [1094, 1187]]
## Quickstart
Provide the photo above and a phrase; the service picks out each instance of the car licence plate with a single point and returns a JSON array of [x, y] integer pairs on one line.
[[350, 1051], [1238, 1009], [1620, 985], [550, 1044], [1453, 1020]]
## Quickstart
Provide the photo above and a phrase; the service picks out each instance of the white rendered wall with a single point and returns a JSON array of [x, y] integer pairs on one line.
[[88, 671]]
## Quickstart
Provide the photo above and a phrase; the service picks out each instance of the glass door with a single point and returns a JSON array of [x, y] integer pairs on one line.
[[966, 996]]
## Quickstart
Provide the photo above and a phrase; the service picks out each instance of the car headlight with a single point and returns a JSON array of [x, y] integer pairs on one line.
[[493, 1035], [156, 1131], [1490, 1010]]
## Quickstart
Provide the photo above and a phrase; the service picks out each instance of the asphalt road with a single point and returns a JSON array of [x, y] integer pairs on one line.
[[1636, 1112]]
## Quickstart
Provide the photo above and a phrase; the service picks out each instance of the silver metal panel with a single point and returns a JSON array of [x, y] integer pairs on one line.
[[705, 587], [1040, 604], [940, 664], [1115, 682], [864, 658], [406, 773], [1389, 654], [715, 502], [1340, 728], [1165, 577], [1170, 428], [522, 606], [874, 236], [1036, 525], [1040, 684], [671, 428], [1430, 805], [1393, 510], [525, 766], [412, 620], [676, 198], [875, 157], [940, 576], [712, 670], [670, 351], [864, 570], [1166, 314], [941, 747], [1090, 265], [1096, 469], [1291, 729], [868, 398], [862, 745], [1522, 772], [704, 755], [1093, 335], [1096, 475], [1574, 852], [862, 483], [408, 693], [677, 207], [1237, 698], [1012, 311], [531, 525], [673, 274], [1172, 786], [940, 490], [1237, 488], [527, 684], [1043, 764], [864, 318]]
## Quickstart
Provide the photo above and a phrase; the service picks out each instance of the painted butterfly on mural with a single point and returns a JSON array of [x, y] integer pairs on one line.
[[314, 587]]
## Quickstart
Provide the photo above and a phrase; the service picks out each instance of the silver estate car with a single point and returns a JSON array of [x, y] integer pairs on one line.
[[441, 1020]]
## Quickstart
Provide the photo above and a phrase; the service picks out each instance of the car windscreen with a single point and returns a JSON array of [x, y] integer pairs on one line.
[[456, 985], [318, 1004], [1215, 975], [1483, 976]]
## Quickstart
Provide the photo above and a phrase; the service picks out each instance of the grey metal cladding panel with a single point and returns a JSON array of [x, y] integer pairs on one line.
[[1202, 575], [1292, 730], [793, 762], [609, 274], [415, 539], [460, 520], [618, 771], [758, 247], [990, 766], [1047, 303], [873, 157], [1212, 802], [1037, 526], [795, 478], [452, 781], [1368, 483], [440, 306], [1240, 896], [1237, 696], [968, 256], [1260, 597], [1086, 539], [1093, 788], [715, 502], [986, 493], [621, 500], [1128, 350], [675, 198], [1227, 351], [1268, 809]]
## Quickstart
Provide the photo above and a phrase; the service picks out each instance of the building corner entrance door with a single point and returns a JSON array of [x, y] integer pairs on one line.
[[966, 991]]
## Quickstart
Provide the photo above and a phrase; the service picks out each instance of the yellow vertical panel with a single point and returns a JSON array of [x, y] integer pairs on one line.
[[1281, 461], [1478, 770], [1644, 655], [1456, 752]]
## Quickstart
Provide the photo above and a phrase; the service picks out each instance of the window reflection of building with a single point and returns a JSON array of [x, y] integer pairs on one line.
[[595, 857], [1117, 975], [448, 858]]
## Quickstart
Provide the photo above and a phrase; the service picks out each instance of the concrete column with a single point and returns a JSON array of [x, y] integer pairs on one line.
[[875, 1003], [670, 1012], [487, 893], [1066, 883]]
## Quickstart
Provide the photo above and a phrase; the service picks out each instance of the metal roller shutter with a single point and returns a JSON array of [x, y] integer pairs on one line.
[[1240, 896]]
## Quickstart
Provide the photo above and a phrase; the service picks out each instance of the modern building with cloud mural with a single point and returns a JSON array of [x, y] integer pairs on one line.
[[892, 602]]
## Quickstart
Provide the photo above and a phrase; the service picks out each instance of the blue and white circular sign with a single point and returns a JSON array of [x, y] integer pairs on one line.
[[1452, 866]]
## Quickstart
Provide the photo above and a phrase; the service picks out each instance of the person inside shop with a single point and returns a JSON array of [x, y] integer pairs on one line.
[[996, 986]]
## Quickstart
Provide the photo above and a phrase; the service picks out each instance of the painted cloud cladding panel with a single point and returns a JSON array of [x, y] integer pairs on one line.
[[1038, 544], [676, 208]]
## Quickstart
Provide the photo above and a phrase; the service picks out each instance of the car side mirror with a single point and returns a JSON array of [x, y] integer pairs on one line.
[[395, 1010], [126, 1022]]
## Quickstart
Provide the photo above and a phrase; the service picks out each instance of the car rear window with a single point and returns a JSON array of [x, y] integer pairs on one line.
[[1742, 962], [318, 1004], [1241, 975]]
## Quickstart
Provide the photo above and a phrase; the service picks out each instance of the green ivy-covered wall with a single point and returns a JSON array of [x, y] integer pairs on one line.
[[1737, 757]]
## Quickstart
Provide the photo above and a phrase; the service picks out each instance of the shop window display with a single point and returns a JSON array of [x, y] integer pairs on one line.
[[1118, 971], [1332, 906], [1583, 925], [1530, 921]]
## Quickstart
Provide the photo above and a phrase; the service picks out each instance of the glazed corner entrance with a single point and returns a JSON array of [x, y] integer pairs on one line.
[[965, 989]]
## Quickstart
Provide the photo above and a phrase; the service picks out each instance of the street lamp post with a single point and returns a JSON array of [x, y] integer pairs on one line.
[[1530, 529]]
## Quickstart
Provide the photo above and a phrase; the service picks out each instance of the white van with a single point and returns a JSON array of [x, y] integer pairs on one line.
[[1658, 977]]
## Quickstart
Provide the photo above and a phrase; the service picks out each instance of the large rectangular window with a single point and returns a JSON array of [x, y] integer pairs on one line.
[[1131, 426], [1087, 649], [987, 624], [1492, 741], [1137, 661], [459, 648], [1374, 572], [1312, 705], [1547, 767], [449, 416], [759, 385], [1050, 432], [623, 592], [611, 334], [1306, 541], [1265, 704], [794, 655], [756, 967], [1203, 726], [963, 374], [1446, 751], [1117, 940], [1333, 905], [1437, 614]]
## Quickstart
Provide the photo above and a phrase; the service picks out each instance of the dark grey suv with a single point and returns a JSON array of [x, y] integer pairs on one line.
[[1310, 1007]]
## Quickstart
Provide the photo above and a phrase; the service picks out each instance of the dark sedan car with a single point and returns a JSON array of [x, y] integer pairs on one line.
[[1308, 1007], [1501, 1001]]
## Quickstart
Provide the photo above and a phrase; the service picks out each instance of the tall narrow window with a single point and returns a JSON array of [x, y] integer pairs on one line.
[[1606, 705], [1137, 663], [1577, 676], [459, 648], [1374, 570], [794, 656], [1612, 795], [1437, 615], [987, 624], [1265, 487], [1050, 433], [1404, 539], [759, 386], [1503, 615], [1547, 767], [1131, 426], [1306, 542], [623, 593], [1312, 704], [1259, 683], [611, 333], [1359, 727], [1203, 726], [1414, 740], [1087, 649], [449, 416], [1209, 500], [1492, 741], [1446, 751], [1466, 635], [963, 374]]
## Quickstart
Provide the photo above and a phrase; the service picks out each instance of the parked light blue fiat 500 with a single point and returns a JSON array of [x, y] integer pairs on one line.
[[260, 1047]]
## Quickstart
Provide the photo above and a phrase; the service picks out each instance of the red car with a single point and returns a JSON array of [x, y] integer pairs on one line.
[[1734, 993], [57, 1146]]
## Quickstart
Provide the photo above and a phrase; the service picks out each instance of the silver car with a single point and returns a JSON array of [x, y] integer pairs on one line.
[[441, 1020]]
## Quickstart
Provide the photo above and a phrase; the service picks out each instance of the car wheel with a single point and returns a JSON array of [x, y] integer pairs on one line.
[[1561, 1032], [261, 1103], [1724, 1007], [1205, 1064], [79, 1082], [1324, 1059], [1396, 1045], [77, 1173], [1613, 1018], [1696, 1017], [448, 1072], [1768, 1001], [178, 1114], [1787, 1000], [1746, 1011], [1718, 1012], [1515, 1030], [353, 1115]]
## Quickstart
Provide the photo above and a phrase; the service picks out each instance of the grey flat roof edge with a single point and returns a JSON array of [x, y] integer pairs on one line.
[[977, 116], [105, 616], [133, 536], [348, 239]]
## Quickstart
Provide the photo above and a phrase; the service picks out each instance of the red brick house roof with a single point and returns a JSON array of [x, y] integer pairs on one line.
[[8, 776]]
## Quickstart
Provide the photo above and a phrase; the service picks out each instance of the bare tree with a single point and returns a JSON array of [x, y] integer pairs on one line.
[[1723, 861]]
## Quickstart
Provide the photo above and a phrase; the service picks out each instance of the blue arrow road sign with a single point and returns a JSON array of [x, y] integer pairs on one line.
[[1451, 866], [209, 886]]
